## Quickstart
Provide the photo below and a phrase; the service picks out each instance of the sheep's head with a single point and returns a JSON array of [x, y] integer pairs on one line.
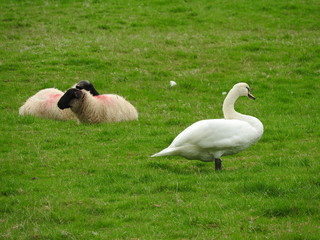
[[85, 84], [67, 100]]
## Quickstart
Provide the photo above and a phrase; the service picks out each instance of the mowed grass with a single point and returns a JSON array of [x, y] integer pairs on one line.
[[62, 180]]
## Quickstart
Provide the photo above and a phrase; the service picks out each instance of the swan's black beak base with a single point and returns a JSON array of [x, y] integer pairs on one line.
[[251, 96]]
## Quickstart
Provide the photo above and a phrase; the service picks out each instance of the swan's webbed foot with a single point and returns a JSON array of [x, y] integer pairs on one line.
[[217, 164]]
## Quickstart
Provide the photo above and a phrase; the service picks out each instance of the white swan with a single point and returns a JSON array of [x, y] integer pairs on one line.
[[208, 140]]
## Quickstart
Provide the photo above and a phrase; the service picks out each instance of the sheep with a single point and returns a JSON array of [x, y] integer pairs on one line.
[[85, 84], [44, 103], [97, 109]]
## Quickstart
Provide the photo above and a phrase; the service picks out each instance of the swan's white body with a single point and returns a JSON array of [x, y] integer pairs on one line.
[[208, 140]]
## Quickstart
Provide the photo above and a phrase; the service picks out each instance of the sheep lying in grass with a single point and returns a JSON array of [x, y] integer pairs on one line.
[[96, 109], [44, 103]]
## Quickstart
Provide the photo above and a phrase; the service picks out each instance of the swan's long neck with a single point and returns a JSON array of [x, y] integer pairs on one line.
[[230, 113], [228, 106]]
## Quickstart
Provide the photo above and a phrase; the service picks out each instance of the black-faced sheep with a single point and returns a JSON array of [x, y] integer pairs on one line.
[[96, 109], [85, 84], [44, 103]]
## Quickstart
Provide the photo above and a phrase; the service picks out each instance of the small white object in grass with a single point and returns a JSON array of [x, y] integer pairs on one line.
[[224, 93], [172, 83]]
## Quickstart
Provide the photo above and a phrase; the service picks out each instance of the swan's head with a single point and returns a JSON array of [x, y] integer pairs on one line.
[[243, 89]]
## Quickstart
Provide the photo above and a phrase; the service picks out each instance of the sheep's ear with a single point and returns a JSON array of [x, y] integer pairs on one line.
[[78, 94]]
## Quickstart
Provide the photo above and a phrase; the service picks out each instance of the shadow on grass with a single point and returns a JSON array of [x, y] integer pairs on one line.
[[288, 209], [184, 169], [265, 189]]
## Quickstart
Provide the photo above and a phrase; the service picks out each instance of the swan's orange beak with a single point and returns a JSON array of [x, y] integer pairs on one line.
[[251, 96]]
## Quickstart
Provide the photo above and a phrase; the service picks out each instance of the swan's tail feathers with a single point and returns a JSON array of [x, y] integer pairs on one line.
[[164, 152]]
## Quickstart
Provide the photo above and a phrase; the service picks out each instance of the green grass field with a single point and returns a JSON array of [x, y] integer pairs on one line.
[[62, 180]]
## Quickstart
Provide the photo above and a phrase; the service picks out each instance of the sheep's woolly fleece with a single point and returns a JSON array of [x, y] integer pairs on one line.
[[97, 109], [44, 104]]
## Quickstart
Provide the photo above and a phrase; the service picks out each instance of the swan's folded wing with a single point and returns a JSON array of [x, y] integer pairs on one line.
[[216, 133]]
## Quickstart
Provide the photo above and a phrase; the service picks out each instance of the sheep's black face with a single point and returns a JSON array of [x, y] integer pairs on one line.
[[85, 84], [66, 99]]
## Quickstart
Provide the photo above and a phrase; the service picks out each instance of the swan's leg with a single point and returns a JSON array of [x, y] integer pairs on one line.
[[217, 164]]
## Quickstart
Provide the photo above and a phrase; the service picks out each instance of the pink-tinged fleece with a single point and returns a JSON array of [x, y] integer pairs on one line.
[[44, 104]]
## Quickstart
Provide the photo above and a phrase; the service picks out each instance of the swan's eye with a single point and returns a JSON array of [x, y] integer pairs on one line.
[[248, 89]]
